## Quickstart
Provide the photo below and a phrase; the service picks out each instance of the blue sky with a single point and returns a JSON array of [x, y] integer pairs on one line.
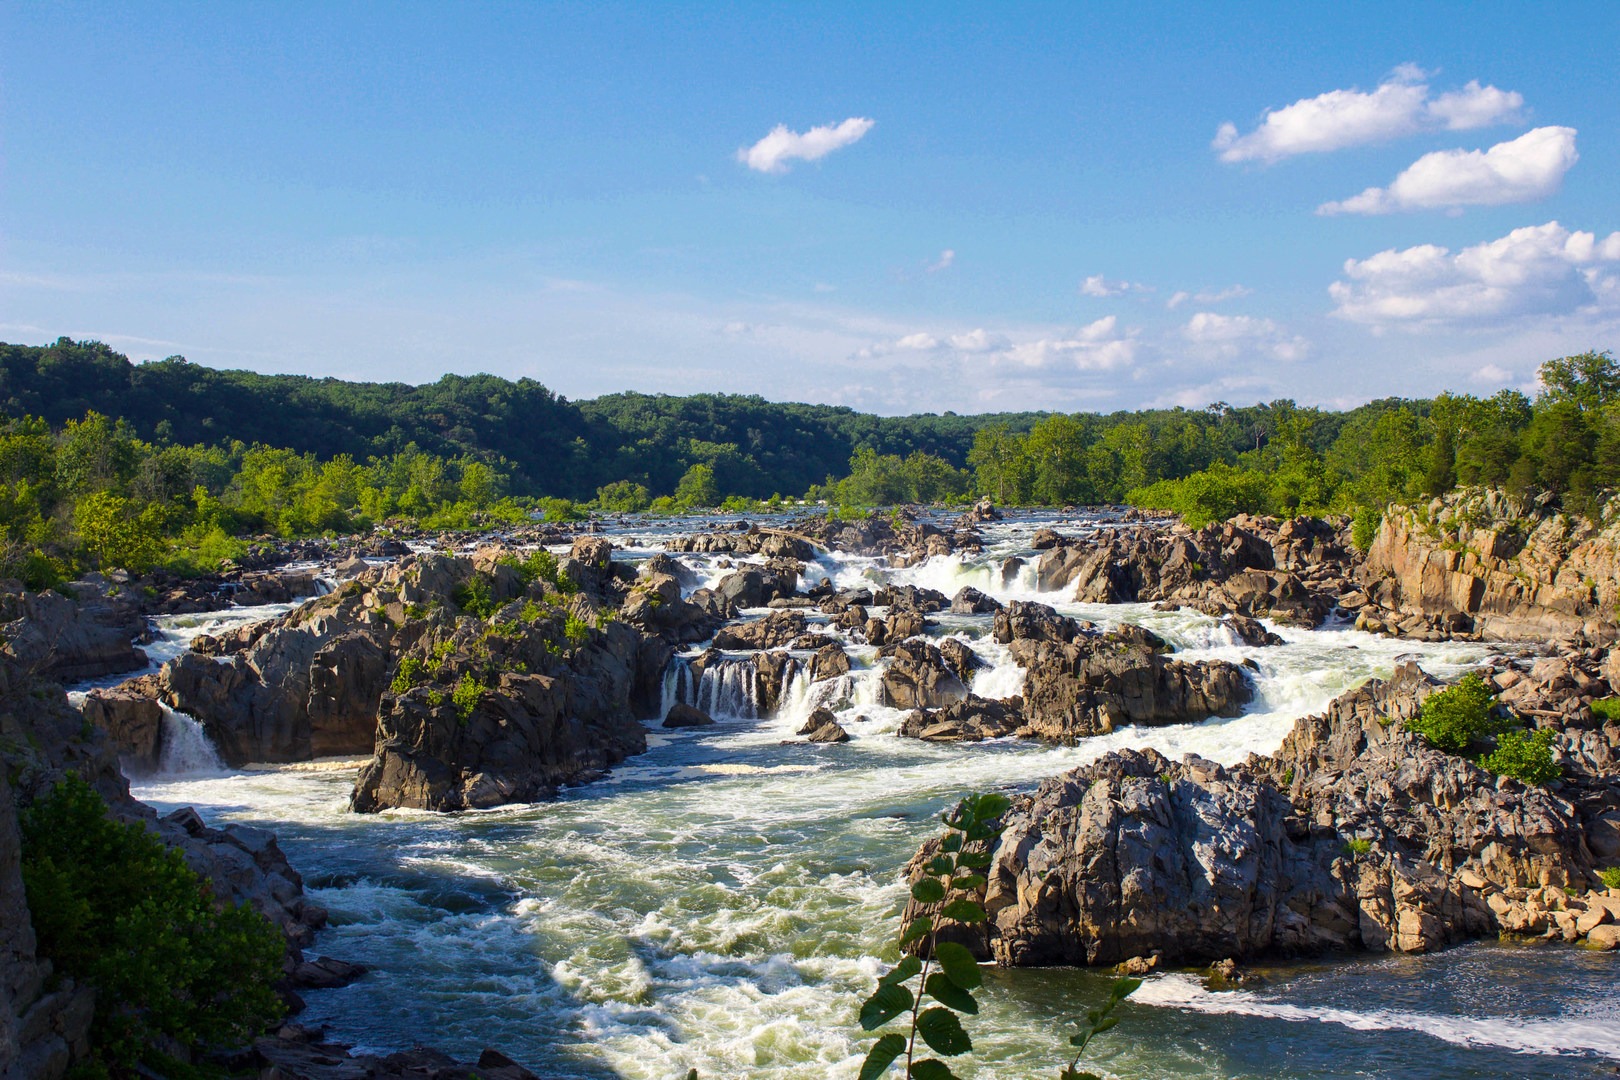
[[1004, 207]]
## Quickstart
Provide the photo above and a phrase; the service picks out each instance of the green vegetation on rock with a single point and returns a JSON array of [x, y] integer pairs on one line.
[[114, 908]]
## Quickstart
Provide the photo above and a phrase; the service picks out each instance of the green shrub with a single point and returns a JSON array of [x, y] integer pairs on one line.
[[559, 510], [623, 496], [1525, 756], [1458, 717], [114, 908], [1364, 529], [576, 630], [1610, 876], [465, 697], [412, 671], [1357, 845], [1607, 708], [474, 596]]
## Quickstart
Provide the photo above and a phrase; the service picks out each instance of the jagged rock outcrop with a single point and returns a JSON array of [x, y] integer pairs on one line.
[[972, 719], [1355, 836], [655, 605], [758, 586], [772, 543], [774, 631], [918, 677], [1093, 683], [507, 711], [1486, 563], [1292, 571], [823, 727], [133, 718], [86, 637]]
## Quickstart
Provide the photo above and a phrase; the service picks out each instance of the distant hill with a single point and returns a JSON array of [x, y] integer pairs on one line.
[[549, 444]]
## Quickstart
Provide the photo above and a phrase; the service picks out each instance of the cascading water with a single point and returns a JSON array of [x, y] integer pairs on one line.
[[720, 903], [727, 688], [184, 748]]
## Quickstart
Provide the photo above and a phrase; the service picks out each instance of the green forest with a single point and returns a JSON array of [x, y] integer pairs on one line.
[[168, 464]]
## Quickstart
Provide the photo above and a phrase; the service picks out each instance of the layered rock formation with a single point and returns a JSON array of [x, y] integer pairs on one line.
[[1356, 835], [1486, 563]]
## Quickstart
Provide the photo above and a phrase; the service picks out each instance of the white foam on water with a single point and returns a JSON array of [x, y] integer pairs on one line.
[[1525, 1035], [184, 749]]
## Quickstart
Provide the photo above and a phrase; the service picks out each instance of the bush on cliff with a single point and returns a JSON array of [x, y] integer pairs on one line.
[[114, 908], [1460, 717], [1525, 756]]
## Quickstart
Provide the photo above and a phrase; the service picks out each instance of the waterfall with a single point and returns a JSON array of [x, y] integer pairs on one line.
[[726, 688], [184, 747]]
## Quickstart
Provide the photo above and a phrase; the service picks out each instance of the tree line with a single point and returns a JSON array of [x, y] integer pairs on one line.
[[106, 463]]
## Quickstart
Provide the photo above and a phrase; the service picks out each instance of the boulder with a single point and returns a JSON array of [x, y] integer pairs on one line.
[[918, 677], [1102, 681], [132, 716], [970, 601], [970, 720], [685, 716], [774, 631]]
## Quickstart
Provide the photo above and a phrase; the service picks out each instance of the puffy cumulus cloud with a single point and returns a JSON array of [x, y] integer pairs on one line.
[[772, 153], [1401, 105], [1102, 345], [1097, 346], [1536, 270], [1099, 286], [1215, 296], [1232, 335], [1492, 374], [1522, 170]]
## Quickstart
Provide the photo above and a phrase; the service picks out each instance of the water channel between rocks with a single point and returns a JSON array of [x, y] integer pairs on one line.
[[723, 901]]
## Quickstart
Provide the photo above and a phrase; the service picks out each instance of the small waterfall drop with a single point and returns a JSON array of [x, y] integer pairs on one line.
[[727, 689], [185, 749]]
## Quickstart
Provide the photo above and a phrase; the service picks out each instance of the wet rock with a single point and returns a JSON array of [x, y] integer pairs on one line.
[[970, 720], [686, 716], [774, 631], [1098, 682], [1250, 631], [970, 601], [962, 659], [132, 716], [918, 677], [912, 598], [1137, 856], [823, 727], [830, 662], [1023, 621]]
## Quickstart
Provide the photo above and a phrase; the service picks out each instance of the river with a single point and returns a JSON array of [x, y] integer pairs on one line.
[[724, 901]]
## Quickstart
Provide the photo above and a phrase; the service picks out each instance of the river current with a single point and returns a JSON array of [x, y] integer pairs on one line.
[[724, 901]]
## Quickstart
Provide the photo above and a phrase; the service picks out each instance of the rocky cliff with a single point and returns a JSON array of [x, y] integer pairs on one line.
[[1486, 563], [1356, 835]]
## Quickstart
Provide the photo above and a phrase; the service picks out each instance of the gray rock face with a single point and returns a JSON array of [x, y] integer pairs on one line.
[[1096, 683], [681, 715], [70, 640], [1292, 571], [1136, 856], [505, 719], [133, 718], [972, 719], [918, 677], [774, 631]]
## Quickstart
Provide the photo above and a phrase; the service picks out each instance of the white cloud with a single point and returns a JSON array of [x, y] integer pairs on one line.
[[1218, 296], [1231, 335], [946, 260], [1097, 346], [1537, 270], [772, 153], [1401, 105], [1099, 286], [1522, 170], [1490, 373]]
